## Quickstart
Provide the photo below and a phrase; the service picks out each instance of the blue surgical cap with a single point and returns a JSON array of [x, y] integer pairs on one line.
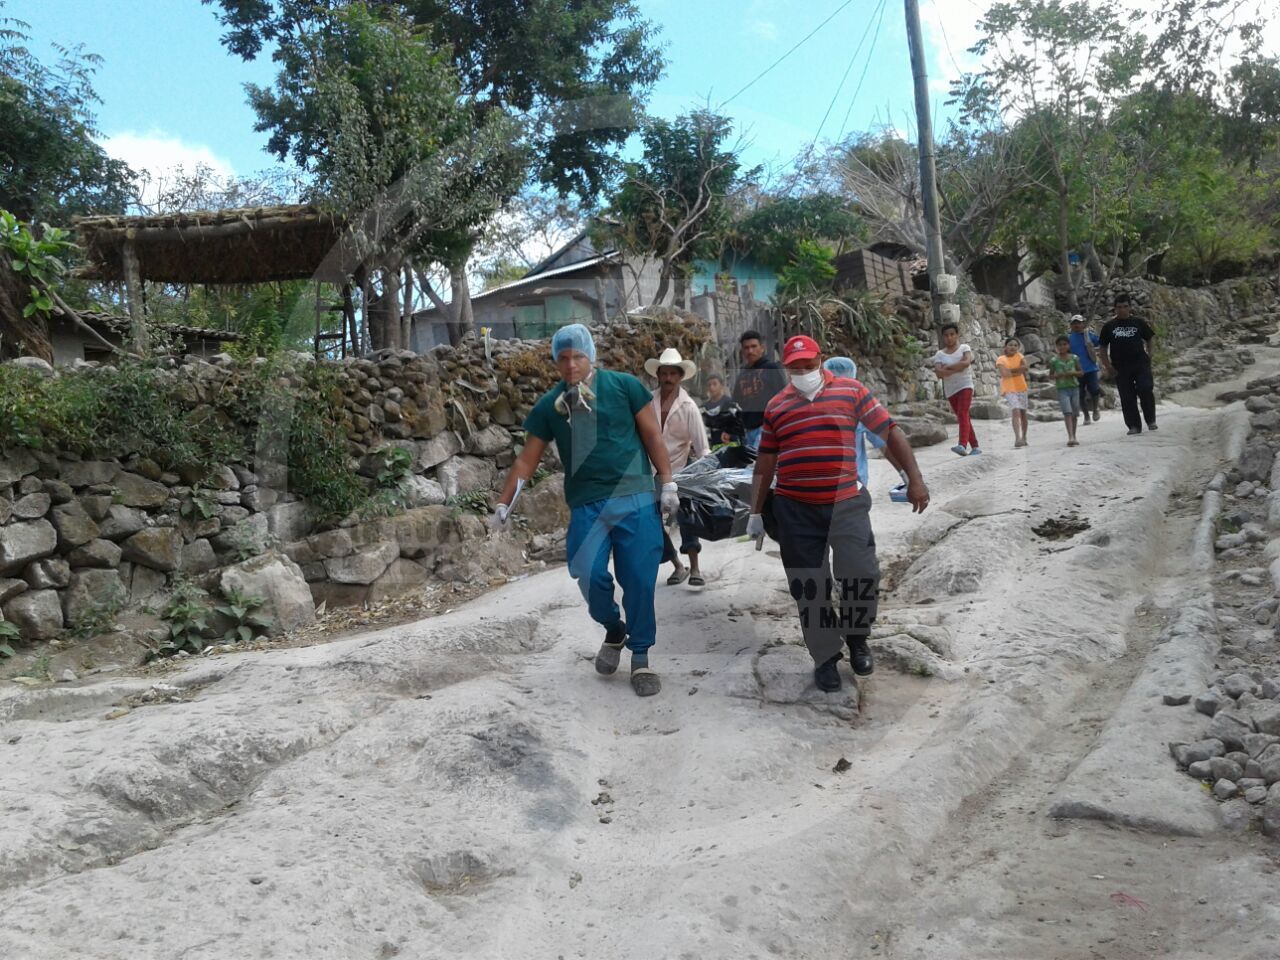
[[842, 367], [573, 337]]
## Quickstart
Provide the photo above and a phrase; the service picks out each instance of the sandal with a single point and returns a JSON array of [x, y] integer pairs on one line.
[[678, 577], [695, 580], [645, 682], [610, 654]]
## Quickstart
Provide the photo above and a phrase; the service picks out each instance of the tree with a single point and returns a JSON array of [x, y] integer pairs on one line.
[[51, 166], [573, 71], [775, 229], [374, 112], [671, 205], [1057, 67]]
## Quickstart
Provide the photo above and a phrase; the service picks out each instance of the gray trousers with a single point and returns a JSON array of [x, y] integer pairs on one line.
[[829, 553]]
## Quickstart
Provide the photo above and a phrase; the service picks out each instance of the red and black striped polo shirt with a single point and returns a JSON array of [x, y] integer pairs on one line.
[[816, 440]]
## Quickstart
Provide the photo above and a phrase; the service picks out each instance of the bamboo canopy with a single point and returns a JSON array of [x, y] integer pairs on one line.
[[239, 246]]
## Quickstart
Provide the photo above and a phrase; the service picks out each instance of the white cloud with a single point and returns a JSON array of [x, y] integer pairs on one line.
[[159, 154], [766, 30]]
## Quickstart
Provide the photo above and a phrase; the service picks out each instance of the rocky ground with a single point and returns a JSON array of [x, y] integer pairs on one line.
[[465, 785]]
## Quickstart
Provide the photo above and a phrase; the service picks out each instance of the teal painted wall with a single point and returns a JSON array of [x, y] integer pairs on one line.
[[741, 269]]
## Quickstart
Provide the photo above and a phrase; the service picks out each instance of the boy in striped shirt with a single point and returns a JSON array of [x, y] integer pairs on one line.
[[822, 506]]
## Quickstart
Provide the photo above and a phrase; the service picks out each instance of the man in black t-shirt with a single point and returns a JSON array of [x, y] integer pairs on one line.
[[759, 379], [1126, 355]]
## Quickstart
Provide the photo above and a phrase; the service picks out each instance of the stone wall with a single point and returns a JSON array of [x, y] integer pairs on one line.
[[80, 539]]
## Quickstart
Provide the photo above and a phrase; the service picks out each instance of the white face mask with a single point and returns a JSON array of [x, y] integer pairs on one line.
[[807, 383]]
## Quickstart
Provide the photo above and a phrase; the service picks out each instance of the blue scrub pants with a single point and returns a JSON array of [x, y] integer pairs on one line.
[[630, 528]]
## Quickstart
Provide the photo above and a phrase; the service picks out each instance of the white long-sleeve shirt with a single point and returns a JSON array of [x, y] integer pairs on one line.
[[683, 431]]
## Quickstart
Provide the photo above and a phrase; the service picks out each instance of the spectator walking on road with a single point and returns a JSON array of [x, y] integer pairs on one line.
[[1065, 368], [686, 438], [1084, 344], [758, 380], [1012, 367], [821, 505], [952, 364], [609, 441], [845, 367], [1126, 355]]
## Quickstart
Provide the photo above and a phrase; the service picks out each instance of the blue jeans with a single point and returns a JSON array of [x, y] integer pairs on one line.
[[628, 527], [753, 438]]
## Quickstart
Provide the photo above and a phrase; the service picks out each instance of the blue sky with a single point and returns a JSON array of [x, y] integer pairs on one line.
[[172, 94]]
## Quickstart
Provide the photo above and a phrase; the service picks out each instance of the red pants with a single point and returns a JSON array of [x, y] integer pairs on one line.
[[960, 402]]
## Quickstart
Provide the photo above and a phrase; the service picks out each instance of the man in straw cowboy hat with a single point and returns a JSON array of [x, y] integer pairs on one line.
[[686, 438], [607, 435]]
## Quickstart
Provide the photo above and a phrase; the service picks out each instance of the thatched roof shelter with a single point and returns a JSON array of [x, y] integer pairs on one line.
[[240, 246]]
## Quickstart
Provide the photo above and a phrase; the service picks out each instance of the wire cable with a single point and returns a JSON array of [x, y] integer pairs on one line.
[[847, 70], [844, 124], [750, 83]]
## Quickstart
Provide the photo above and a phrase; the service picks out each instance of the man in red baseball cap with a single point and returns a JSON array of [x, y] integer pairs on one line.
[[822, 506]]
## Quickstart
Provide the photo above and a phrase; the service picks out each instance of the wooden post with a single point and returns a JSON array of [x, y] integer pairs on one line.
[[133, 295], [348, 319]]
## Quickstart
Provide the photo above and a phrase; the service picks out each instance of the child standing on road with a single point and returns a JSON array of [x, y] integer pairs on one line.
[[951, 365], [1066, 371], [1012, 366]]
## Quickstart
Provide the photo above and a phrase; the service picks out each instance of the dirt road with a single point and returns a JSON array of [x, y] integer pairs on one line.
[[466, 786]]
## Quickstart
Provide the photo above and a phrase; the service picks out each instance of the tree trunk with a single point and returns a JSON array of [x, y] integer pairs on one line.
[[664, 284], [390, 307], [134, 296], [1064, 246], [29, 331], [462, 319], [406, 318]]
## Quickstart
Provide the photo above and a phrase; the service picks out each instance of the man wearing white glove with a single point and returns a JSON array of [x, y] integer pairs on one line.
[[821, 504], [608, 439]]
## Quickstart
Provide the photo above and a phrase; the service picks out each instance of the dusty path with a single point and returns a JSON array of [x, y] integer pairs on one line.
[[466, 786]]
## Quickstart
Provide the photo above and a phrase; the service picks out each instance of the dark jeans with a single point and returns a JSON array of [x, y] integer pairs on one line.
[[1136, 386], [1089, 387], [689, 543], [829, 553]]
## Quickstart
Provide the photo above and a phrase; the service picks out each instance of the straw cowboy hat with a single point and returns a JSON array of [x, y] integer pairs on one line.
[[670, 358]]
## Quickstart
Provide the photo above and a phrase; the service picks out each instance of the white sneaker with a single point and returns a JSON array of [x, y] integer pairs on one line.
[[959, 451]]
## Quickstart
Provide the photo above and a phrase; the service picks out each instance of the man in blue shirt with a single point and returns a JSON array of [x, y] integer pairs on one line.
[[1084, 344], [609, 441], [845, 367]]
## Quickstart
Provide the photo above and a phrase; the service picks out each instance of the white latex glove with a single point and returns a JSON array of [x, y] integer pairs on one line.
[[755, 529], [499, 519], [670, 500]]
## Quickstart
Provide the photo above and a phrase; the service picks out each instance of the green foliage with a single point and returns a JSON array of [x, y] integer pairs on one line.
[[51, 164], [197, 507], [774, 231], [242, 610], [810, 270], [397, 467], [94, 620], [8, 635], [470, 501], [186, 616], [573, 70]]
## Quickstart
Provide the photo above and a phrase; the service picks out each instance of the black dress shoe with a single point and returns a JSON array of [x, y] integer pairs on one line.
[[1152, 426], [860, 657], [1134, 432], [826, 676]]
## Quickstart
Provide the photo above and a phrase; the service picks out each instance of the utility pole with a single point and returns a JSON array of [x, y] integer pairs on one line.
[[928, 172]]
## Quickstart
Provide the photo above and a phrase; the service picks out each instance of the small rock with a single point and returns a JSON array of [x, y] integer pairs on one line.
[[1255, 794], [67, 676], [1188, 753], [1271, 688], [1201, 770], [1237, 684], [1223, 769], [1176, 699], [1208, 703], [1225, 790], [1231, 729]]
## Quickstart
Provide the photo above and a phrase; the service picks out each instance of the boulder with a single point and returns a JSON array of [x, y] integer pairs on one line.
[[400, 577], [102, 554], [991, 410], [1266, 717], [74, 525], [290, 521], [543, 507], [418, 532], [278, 581], [490, 441], [1231, 728], [34, 364], [136, 491], [50, 574], [87, 473], [97, 506], [121, 522], [922, 432], [416, 491], [6, 510], [159, 548], [463, 474], [145, 583], [198, 557], [20, 543], [37, 614], [16, 464], [32, 507], [91, 590], [437, 450], [10, 588], [58, 491], [365, 565], [1255, 464]]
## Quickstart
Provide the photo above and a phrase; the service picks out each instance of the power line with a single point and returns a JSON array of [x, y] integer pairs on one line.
[[847, 70], [794, 48], [858, 89]]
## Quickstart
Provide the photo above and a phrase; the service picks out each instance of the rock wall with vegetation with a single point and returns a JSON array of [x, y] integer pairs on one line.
[[271, 483]]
